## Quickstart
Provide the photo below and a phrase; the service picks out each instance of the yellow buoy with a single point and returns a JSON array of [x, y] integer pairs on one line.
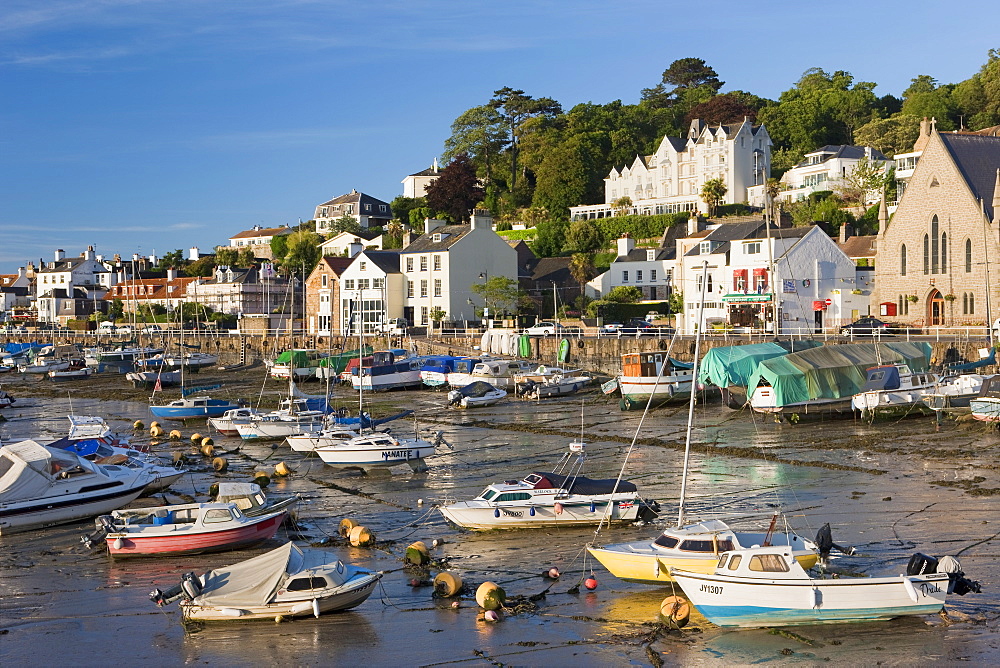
[[178, 457], [262, 479], [345, 527], [220, 464], [175, 435], [207, 441], [213, 490], [361, 537], [138, 425], [154, 423], [417, 554], [156, 431], [208, 450], [676, 610], [447, 584], [490, 596], [196, 437]]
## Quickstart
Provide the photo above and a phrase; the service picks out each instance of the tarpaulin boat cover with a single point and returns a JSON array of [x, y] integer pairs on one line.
[[733, 365], [254, 582], [833, 372], [582, 485], [480, 388], [28, 470]]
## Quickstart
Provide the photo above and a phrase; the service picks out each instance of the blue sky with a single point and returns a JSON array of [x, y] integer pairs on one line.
[[150, 125]]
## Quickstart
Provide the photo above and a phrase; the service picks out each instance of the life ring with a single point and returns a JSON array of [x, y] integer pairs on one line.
[[805, 283]]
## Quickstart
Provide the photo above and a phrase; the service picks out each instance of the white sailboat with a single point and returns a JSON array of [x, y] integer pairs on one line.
[[692, 547]]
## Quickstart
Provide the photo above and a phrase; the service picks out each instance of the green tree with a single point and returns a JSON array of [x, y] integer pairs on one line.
[[481, 134], [174, 258], [684, 76], [116, 310], [550, 238], [925, 99], [279, 247], [892, 135], [864, 183], [226, 256], [347, 224], [624, 294], [401, 207], [456, 191], [246, 258], [622, 205], [712, 193], [583, 237], [499, 293], [203, 266], [303, 252], [581, 268], [515, 108], [568, 175]]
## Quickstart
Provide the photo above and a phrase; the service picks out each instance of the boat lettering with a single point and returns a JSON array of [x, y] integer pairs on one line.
[[511, 513], [711, 589], [397, 454], [928, 588]]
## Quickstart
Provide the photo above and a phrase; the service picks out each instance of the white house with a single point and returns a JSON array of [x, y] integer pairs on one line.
[[68, 288], [339, 243], [442, 264], [364, 209], [373, 286], [415, 185], [826, 169], [649, 269], [671, 179], [811, 286], [249, 291]]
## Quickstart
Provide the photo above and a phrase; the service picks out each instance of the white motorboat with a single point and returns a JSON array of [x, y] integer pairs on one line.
[[561, 498], [43, 365], [227, 423], [553, 386], [767, 586], [70, 374], [541, 373], [892, 390], [955, 391], [285, 582], [330, 435], [479, 393], [498, 373], [375, 450], [42, 487]]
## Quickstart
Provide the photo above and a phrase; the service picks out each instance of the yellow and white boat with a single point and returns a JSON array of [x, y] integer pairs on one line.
[[695, 548]]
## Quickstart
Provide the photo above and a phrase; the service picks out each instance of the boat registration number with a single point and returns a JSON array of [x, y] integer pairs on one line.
[[397, 454], [711, 589]]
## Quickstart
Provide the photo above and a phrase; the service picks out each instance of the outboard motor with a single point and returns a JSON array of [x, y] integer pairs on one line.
[[824, 541], [957, 582], [189, 588], [454, 397], [648, 511], [921, 564]]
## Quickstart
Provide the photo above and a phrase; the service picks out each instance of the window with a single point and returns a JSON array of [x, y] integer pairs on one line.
[[349, 284], [381, 208], [735, 563], [409, 264], [968, 255], [324, 280], [423, 263], [944, 252], [436, 237], [927, 254], [707, 545], [768, 563], [751, 248], [378, 283], [362, 284], [218, 515], [935, 246], [424, 312], [624, 277], [968, 303], [437, 287], [305, 584], [423, 288], [902, 260], [665, 541], [364, 266], [705, 248], [652, 275], [409, 289], [638, 275], [437, 263], [514, 496]]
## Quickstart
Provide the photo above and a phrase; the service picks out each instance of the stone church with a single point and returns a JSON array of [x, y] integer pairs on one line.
[[939, 256]]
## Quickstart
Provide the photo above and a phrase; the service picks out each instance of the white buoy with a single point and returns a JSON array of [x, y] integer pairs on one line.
[[420, 502]]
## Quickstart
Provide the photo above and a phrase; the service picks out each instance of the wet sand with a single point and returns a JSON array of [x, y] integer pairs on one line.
[[891, 489]]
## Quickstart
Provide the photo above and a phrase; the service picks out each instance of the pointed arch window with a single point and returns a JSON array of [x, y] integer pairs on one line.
[[902, 260], [935, 246], [927, 254], [968, 256], [944, 252]]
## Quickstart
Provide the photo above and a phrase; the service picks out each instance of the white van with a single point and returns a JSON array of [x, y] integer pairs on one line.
[[395, 327], [107, 327]]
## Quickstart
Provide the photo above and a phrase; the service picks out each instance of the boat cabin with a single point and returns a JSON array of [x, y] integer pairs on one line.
[[760, 562], [552, 485], [894, 377], [692, 538], [649, 364]]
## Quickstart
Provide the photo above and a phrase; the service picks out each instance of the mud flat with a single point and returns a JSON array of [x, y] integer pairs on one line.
[[891, 489]]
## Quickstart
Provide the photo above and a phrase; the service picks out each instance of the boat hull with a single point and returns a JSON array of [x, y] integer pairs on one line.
[[43, 513], [750, 602], [985, 409], [482, 517], [216, 408], [348, 456], [637, 390], [171, 541]]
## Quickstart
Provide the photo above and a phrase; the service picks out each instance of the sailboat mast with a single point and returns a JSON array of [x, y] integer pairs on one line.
[[694, 391], [361, 362]]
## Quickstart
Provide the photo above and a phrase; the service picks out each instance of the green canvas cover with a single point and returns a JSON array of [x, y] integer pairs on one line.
[[833, 372], [339, 361], [734, 365]]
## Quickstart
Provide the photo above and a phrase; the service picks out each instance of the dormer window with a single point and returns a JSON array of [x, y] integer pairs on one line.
[[650, 254], [436, 237], [706, 248]]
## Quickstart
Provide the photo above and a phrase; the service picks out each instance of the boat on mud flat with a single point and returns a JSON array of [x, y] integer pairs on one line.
[[892, 390], [767, 586], [286, 582], [479, 393], [42, 487], [561, 498], [192, 408]]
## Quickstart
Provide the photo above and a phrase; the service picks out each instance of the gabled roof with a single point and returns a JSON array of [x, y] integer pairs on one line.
[[387, 261], [548, 269], [68, 264], [727, 233], [977, 158], [334, 263], [640, 255], [353, 197], [859, 247], [430, 171], [263, 232], [450, 234]]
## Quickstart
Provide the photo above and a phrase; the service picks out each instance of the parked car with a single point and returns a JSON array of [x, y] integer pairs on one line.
[[545, 328], [869, 326], [151, 329], [395, 327]]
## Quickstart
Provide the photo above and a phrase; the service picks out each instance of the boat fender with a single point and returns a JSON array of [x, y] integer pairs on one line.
[[921, 564], [817, 598], [662, 345], [196, 437], [580, 343], [119, 543], [676, 610], [207, 451], [191, 585], [558, 507], [496, 512], [531, 511], [301, 608], [593, 507], [447, 585], [315, 607], [417, 554], [910, 589], [231, 612]]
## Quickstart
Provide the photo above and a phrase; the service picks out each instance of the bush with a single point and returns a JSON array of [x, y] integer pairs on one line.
[[516, 235]]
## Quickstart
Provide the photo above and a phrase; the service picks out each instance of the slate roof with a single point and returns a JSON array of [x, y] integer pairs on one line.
[[640, 255], [355, 197], [849, 152], [387, 261], [335, 263], [548, 269], [430, 171], [729, 232], [977, 158], [449, 235], [67, 264]]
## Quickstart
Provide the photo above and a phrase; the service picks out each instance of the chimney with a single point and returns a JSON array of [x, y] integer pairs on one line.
[[153, 260], [354, 248], [407, 235], [693, 223], [171, 274], [996, 199], [625, 244], [481, 218], [135, 257], [194, 254], [431, 224], [435, 165], [60, 254]]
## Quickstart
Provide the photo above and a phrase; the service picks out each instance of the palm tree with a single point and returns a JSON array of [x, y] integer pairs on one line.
[[622, 205], [581, 268], [712, 193]]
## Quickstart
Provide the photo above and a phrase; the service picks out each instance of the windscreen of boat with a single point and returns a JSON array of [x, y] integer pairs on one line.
[[488, 494], [768, 563], [665, 541], [714, 547]]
